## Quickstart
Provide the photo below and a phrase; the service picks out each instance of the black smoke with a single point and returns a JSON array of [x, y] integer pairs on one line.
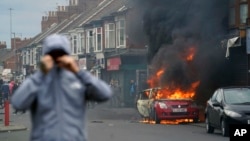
[[173, 27]]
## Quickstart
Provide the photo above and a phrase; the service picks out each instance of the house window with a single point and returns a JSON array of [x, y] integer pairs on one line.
[[82, 48], [24, 57], [89, 41], [243, 12], [98, 38], [28, 57], [31, 56], [74, 49], [34, 56], [120, 30], [110, 35]]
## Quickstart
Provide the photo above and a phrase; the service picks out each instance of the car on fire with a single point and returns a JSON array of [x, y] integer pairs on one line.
[[152, 107], [227, 105]]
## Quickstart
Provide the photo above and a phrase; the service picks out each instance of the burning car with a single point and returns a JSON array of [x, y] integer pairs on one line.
[[152, 105]]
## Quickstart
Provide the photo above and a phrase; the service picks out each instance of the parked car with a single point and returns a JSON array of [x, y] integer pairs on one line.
[[154, 108], [228, 105]]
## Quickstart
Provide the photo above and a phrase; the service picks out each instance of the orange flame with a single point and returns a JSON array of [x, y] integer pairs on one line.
[[190, 54], [177, 121], [159, 73], [177, 93], [155, 79]]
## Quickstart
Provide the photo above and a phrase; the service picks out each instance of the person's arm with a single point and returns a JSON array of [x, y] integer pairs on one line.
[[24, 96], [97, 89]]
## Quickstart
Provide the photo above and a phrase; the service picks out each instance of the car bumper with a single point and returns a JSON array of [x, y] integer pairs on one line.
[[169, 115], [240, 120]]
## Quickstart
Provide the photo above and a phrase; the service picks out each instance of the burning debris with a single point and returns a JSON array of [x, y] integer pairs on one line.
[[183, 38]]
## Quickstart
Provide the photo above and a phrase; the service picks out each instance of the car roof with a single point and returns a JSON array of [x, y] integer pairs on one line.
[[235, 87], [152, 88]]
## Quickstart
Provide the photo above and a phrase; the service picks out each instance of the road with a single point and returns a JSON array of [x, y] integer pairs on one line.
[[110, 124]]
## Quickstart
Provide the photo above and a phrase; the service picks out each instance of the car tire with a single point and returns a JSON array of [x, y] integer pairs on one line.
[[209, 128], [224, 128], [156, 119]]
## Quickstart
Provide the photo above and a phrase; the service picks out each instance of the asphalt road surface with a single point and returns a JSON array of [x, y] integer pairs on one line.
[[123, 124]]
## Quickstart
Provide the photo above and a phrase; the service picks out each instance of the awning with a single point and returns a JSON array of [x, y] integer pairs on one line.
[[230, 43]]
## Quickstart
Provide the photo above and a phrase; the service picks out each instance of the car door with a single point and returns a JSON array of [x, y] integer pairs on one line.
[[218, 108], [210, 108], [142, 103]]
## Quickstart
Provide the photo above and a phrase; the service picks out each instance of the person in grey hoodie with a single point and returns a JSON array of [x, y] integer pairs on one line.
[[56, 95]]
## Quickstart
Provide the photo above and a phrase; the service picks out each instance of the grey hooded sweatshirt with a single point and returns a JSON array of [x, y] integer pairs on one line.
[[57, 100]]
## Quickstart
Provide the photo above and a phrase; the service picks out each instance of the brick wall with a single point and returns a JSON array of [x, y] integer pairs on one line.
[[3, 44], [64, 12], [19, 43]]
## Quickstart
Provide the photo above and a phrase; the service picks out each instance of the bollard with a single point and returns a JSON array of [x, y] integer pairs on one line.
[[6, 113]]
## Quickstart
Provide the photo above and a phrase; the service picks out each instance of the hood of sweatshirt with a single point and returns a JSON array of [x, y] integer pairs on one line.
[[56, 42]]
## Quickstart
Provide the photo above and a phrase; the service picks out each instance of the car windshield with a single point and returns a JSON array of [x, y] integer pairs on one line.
[[237, 96]]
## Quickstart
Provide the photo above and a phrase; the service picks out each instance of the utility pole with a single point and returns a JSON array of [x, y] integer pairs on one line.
[[10, 25], [15, 54]]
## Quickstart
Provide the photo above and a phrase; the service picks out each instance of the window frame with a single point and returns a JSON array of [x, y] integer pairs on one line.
[[245, 16], [98, 36], [89, 42], [119, 30], [74, 44], [110, 42], [82, 43]]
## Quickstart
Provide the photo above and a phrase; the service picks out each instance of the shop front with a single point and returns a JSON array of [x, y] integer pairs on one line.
[[122, 69]]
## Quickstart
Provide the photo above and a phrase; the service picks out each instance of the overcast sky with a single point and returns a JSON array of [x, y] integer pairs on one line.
[[26, 17]]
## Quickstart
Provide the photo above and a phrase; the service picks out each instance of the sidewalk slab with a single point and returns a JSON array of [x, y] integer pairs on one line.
[[12, 128]]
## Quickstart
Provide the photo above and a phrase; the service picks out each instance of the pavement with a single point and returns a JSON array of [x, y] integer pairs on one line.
[[15, 122], [97, 114]]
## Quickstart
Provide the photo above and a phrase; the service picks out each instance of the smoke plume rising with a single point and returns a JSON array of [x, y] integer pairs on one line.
[[177, 28]]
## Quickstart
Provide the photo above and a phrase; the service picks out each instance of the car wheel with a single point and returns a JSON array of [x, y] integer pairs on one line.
[[156, 119], [209, 128], [224, 128]]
